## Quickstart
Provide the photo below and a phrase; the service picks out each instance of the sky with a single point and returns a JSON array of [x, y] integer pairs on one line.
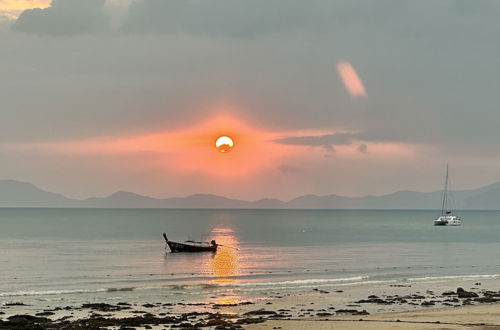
[[349, 97]]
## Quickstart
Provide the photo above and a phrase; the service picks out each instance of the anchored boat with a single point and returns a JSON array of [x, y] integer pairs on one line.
[[191, 246], [446, 218]]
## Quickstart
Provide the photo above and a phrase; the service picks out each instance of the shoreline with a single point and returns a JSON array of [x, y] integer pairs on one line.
[[479, 317], [422, 305]]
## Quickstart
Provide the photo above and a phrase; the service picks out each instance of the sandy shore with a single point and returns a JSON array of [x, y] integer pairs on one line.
[[465, 317], [467, 304], [480, 317]]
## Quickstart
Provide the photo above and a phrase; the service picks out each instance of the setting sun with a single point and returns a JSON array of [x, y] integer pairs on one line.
[[224, 143]]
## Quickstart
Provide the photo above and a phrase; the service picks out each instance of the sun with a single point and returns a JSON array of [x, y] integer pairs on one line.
[[224, 143]]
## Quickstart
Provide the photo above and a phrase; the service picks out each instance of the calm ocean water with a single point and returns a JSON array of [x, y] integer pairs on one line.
[[78, 252]]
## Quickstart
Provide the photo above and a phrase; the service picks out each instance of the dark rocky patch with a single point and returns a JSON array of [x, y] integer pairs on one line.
[[352, 312], [261, 312], [487, 299], [466, 294], [15, 304], [376, 300], [103, 307], [467, 302], [491, 294], [24, 322], [324, 314], [45, 313]]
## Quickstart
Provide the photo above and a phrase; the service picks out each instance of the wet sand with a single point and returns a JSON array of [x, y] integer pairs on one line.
[[480, 317], [473, 305]]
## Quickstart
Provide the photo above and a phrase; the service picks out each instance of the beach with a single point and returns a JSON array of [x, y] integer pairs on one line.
[[466, 317], [473, 305], [84, 268]]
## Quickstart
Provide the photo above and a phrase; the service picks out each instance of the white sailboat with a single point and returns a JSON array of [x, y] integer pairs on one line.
[[447, 218]]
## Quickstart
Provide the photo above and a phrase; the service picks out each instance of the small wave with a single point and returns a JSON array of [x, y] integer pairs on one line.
[[453, 277], [338, 284], [291, 283], [301, 282], [369, 282], [48, 292], [61, 292], [191, 286]]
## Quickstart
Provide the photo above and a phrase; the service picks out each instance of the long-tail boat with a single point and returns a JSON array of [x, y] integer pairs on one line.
[[190, 246]]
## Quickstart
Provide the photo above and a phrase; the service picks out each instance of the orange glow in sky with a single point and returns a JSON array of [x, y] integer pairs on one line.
[[351, 80], [13, 8], [192, 149]]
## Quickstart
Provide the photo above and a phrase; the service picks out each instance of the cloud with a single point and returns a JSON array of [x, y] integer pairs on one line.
[[351, 79], [55, 87], [64, 17], [326, 141], [231, 18], [363, 148], [289, 169], [318, 140], [11, 9]]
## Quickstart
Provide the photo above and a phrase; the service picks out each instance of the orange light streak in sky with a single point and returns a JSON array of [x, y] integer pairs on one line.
[[351, 80]]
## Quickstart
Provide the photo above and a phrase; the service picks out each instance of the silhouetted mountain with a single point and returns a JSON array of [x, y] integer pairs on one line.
[[23, 194], [122, 199], [397, 200], [487, 198]]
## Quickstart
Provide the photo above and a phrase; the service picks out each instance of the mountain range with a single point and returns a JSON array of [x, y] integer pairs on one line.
[[23, 194]]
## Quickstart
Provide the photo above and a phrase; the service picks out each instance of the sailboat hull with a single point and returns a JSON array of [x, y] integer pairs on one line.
[[439, 223], [448, 220]]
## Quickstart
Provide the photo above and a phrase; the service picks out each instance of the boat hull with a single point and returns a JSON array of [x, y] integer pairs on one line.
[[440, 223], [182, 247], [449, 220]]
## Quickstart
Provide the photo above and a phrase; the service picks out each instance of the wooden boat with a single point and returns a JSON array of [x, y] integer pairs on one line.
[[191, 246]]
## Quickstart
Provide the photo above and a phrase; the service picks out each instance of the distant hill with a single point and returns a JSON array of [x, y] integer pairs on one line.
[[23, 194]]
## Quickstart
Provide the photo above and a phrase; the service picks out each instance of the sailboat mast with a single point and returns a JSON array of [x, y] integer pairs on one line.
[[445, 192]]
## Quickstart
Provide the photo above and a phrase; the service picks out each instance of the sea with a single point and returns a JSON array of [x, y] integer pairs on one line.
[[82, 255]]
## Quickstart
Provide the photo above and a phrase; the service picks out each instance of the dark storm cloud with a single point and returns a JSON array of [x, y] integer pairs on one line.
[[64, 17]]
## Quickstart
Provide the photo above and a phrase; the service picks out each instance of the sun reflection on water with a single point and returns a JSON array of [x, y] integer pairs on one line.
[[225, 264]]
